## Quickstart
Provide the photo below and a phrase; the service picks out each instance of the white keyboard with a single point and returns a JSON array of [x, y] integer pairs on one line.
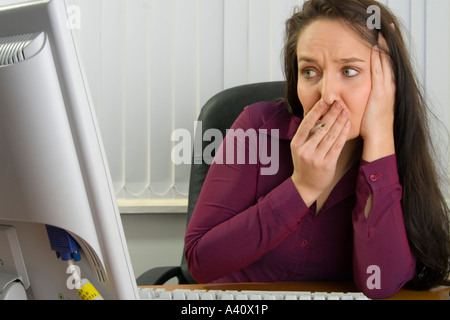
[[186, 294]]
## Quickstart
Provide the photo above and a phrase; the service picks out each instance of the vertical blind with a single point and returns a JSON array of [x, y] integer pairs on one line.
[[152, 64]]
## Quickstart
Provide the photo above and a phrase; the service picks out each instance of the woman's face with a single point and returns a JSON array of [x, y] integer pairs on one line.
[[334, 65]]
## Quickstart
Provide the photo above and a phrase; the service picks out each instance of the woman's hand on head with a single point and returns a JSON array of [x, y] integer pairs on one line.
[[377, 126], [315, 153]]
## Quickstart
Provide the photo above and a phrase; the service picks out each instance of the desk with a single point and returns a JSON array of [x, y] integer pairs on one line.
[[441, 293]]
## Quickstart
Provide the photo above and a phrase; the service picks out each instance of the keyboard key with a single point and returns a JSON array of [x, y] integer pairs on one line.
[[165, 295], [207, 296], [178, 296], [186, 294], [193, 296], [227, 296], [146, 294]]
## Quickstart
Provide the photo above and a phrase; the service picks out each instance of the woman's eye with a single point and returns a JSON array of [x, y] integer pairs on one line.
[[309, 73], [350, 72]]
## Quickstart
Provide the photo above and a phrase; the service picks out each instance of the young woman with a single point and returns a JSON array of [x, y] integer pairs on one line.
[[356, 195]]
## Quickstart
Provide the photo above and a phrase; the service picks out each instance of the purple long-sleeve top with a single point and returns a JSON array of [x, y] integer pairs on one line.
[[251, 226]]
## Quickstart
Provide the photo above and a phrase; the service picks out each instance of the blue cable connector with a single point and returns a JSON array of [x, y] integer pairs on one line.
[[65, 246]]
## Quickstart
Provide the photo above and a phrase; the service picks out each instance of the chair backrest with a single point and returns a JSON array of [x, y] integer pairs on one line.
[[220, 112]]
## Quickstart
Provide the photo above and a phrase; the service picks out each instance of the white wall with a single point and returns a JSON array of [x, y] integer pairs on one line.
[[154, 239]]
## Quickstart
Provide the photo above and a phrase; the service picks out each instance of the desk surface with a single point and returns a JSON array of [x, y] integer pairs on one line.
[[441, 293]]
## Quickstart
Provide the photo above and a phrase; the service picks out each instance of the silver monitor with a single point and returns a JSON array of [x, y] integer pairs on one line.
[[59, 221]]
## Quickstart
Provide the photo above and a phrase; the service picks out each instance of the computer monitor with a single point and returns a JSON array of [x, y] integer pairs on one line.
[[58, 212]]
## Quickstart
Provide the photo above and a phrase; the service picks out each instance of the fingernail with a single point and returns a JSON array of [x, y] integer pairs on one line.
[[348, 124]]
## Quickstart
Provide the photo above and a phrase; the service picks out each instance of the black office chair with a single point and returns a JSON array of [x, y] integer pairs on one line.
[[219, 112]]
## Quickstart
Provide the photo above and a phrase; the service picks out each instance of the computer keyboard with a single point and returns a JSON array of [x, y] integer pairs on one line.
[[188, 294]]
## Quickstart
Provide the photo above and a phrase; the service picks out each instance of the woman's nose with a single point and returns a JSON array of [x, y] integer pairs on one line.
[[330, 90]]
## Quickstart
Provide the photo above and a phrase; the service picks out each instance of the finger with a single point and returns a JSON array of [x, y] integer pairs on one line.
[[317, 128], [326, 122], [382, 42], [335, 151], [334, 133], [376, 67], [384, 53], [386, 63], [309, 122], [321, 142]]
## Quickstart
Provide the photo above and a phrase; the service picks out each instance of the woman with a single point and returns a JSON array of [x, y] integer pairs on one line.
[[354, 165]]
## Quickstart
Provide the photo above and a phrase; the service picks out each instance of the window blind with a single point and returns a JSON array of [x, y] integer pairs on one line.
[[152, 64]]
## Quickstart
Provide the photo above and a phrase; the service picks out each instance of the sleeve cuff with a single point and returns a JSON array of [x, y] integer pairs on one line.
[[378, 174]]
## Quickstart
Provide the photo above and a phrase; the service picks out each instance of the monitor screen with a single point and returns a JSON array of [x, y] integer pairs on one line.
[[59, 222]]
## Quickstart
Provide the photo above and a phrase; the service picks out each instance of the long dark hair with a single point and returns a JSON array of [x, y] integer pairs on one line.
[[425, 210]]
